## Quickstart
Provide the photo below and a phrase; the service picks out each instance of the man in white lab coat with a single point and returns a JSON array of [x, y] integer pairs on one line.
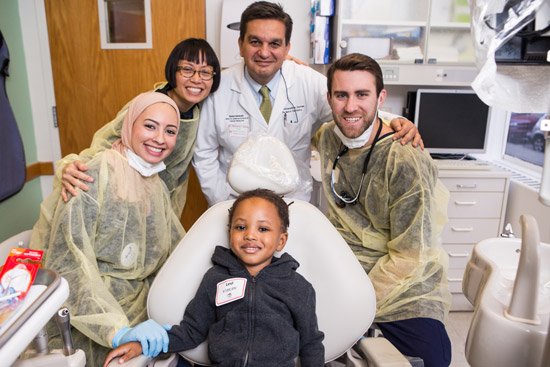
[[297, 99]]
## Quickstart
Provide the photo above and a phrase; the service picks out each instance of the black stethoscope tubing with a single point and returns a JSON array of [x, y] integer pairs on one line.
[[364, 171]]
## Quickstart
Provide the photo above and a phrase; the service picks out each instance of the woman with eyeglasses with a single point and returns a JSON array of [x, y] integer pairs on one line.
[[192, 72]]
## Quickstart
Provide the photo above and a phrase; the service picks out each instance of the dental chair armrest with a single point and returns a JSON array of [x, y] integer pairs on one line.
[[379, 352], [142, 361]]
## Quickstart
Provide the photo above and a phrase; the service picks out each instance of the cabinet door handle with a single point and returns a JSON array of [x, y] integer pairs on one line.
[[457, 202], [464, 186], [467, 229], [461, 254], [454, 279]]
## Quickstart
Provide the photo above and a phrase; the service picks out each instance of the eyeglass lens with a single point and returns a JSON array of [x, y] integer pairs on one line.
[[189, 73]]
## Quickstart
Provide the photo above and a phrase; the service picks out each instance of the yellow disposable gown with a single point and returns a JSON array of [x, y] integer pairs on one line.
[[176, 173], [394, 228], [108, 243]]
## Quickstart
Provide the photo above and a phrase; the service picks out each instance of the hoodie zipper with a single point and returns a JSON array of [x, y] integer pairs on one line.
[[251, 320]]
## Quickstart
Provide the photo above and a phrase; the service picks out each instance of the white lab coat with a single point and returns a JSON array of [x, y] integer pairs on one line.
[[230, 114]]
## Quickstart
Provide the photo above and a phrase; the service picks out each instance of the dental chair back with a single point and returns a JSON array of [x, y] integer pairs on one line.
[[346, 302]]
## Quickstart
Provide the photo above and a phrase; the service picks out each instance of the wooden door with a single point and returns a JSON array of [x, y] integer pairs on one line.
[[91, 84]]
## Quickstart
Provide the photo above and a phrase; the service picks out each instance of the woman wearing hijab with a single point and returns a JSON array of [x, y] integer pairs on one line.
[[109, 242]]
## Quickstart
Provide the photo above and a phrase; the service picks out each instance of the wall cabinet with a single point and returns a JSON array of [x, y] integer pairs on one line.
[[417, 42], [476, 211]]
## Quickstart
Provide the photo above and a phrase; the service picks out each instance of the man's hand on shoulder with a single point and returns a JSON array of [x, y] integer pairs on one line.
[[407, 131], [297, 61]]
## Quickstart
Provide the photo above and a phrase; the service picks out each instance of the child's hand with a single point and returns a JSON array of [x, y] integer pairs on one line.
[[125, 351]]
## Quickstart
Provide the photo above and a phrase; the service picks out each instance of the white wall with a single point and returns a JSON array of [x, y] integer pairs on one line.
[[37, 54]]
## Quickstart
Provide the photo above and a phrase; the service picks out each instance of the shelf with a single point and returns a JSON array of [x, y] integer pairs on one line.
[[427, 74], [421, 37], [385, 23], [450, 25]]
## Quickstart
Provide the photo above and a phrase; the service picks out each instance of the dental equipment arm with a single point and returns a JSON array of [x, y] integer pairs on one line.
[[63, 320], [523, 306]]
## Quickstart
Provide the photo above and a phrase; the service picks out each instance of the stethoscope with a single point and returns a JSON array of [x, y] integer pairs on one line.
[[344, 198], [288, 99]]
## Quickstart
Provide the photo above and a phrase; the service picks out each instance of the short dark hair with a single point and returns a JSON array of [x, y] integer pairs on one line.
[[194, 50], [280, 204], [265, 10], [353, 62]]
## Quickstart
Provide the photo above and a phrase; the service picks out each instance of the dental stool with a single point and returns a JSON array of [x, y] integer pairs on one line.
[[346, 302]]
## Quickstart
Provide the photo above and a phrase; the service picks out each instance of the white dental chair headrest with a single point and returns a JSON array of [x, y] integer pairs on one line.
[[263, 161]]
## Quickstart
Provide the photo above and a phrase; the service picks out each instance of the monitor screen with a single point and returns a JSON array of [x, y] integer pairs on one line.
[[451, 121]]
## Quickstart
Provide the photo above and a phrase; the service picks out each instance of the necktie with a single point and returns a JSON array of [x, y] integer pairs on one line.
[[265, 107]]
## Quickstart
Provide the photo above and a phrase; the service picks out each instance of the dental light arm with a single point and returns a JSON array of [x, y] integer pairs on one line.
[[518, 87]]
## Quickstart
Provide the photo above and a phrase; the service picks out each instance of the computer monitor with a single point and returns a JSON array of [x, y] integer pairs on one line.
[[451, 121]]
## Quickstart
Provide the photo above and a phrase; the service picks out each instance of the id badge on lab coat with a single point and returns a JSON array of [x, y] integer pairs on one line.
[[238, 131]]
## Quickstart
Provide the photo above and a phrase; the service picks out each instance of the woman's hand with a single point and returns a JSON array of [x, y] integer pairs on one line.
[[72, 177], [125, 352], [406, 130], [152, 336]]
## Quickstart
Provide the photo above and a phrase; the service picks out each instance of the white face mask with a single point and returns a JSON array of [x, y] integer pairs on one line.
[[144, 168], [360, 141]]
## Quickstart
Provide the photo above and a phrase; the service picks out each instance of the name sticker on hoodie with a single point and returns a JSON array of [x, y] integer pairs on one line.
[[230, 290]]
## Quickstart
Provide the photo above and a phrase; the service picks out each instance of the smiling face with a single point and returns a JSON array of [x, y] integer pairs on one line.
[[256, 233], [353, 101], [154, 133], [190, 91], [264, 49]]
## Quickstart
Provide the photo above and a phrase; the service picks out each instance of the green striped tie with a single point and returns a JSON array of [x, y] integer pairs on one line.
[[265, 107]]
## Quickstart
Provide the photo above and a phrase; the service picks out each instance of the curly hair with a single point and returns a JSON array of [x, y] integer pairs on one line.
[[280, 205]]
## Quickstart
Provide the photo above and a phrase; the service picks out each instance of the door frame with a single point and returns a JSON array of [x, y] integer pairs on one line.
[[34, 30]]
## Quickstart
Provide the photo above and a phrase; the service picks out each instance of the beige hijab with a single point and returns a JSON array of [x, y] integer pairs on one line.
[[137, 106]]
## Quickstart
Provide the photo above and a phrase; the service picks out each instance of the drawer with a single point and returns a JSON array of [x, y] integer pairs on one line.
[[458, 257], [475, 205], [474, 184], [469, 230], [454, 277], [460, 303]]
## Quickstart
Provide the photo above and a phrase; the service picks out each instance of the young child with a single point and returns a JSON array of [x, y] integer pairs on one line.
[[254, 308]]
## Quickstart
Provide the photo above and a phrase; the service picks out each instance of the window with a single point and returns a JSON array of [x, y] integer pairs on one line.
[[525, 139], [125, 24]]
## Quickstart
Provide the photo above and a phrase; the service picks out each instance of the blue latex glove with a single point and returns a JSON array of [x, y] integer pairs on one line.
[[152, 336]]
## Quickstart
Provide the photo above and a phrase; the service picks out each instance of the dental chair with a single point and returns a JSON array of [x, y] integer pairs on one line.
[[42, 302], [346, 302], [507, 280]]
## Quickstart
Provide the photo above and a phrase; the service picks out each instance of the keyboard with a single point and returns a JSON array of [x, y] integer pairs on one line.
[[455, 164]]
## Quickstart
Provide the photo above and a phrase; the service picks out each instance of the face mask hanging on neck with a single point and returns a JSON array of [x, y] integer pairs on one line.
[[144, 168], [360, 141]]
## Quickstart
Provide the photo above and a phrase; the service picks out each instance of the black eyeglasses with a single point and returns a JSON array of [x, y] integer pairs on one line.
[[344, 198], [188, 72]]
